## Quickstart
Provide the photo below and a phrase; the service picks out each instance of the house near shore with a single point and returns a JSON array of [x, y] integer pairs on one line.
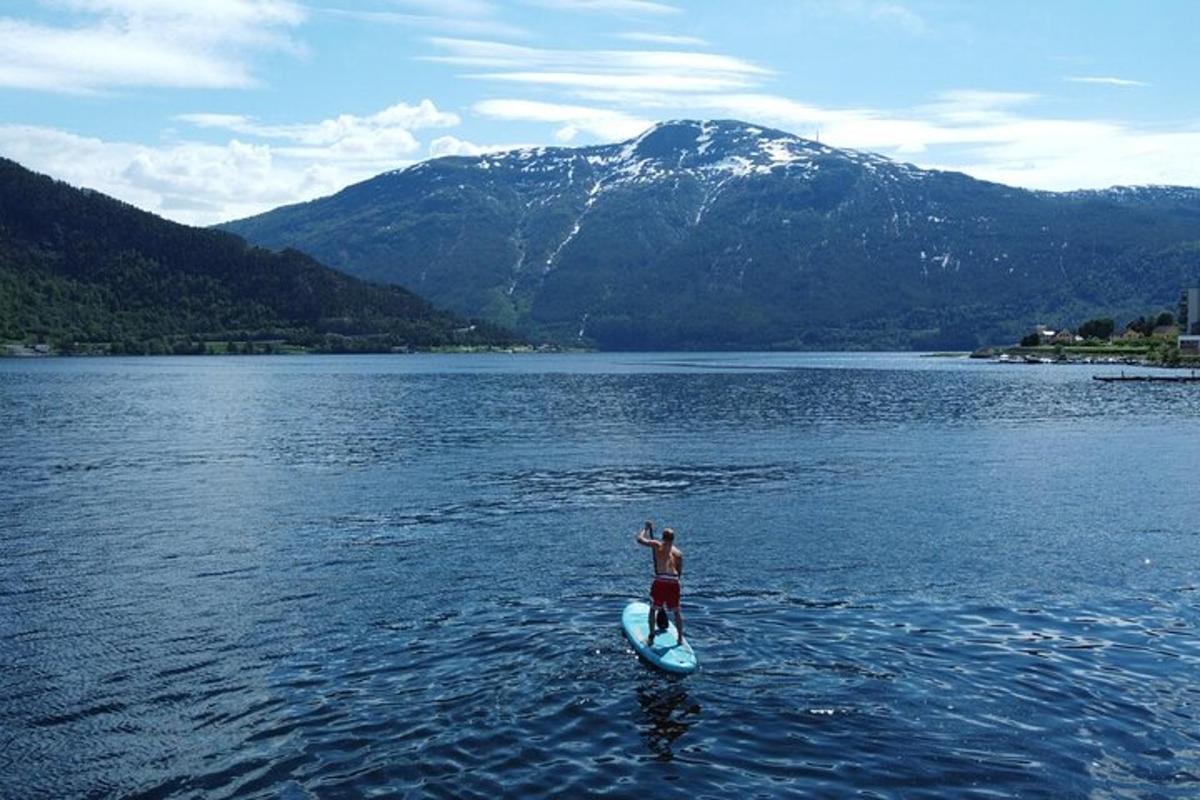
[[1049, 336]]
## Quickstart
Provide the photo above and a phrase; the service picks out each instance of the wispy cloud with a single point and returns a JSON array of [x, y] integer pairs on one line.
[[886, 13], [974, 107], [458, 17], [670, 40], [451, 8], [600, 80], [897, 15], [1106, 81], [624, 7], [461, 26], [606, 124], [655, 70], [129, 43]]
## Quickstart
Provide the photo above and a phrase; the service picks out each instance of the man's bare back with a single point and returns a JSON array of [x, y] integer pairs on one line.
[[668, 559], [668, 570]]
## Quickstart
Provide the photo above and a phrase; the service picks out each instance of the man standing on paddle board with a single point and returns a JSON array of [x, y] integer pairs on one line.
[[668, 569]]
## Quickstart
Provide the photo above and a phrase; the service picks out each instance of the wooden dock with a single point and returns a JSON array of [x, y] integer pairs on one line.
[[1123, 378]]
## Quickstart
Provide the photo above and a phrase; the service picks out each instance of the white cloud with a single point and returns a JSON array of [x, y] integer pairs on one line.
[[566, 134], [189, 182], [126, 43], [501, 55], [453, 146], [605, 124], [634, 7], [266, 166], [456, 25], [1107, 81], [616, 70], [34, 57], [1068, 154], [210, 12], [361, 144], [458, 17], [451, 8], [599, 80], [974, 107], [482, 53], [670, 40], [399, 117]]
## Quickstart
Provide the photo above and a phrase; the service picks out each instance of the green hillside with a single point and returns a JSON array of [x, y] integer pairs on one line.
[[80, 269]]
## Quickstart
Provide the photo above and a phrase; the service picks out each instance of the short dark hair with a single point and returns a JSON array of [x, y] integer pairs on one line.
[[668, 534]]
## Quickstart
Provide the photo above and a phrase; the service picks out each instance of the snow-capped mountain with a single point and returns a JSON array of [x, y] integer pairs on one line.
[[724, 234]]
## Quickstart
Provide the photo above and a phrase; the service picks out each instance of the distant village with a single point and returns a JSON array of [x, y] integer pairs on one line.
[[1166, 340]]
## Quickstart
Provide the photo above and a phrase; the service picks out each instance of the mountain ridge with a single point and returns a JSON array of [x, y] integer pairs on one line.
[[727, 234]]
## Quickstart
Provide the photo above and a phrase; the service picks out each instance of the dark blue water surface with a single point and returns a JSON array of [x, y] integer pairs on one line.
[[403, 575]]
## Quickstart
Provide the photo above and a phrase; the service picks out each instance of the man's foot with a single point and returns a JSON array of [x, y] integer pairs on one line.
[[650, 640]]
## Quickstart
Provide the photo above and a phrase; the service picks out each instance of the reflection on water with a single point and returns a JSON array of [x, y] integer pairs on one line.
[[336, 577], [667, 714]]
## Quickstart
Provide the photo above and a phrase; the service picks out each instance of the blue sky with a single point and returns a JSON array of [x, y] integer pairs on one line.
[[208, 111]]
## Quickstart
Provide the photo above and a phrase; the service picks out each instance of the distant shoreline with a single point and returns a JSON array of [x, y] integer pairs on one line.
[[1094, 356], [21, 351]]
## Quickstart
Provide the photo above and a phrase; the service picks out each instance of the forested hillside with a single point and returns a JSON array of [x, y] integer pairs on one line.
[[79, 267]]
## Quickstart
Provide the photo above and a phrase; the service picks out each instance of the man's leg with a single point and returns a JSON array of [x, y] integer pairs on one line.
[[679, 622], [650, 623]]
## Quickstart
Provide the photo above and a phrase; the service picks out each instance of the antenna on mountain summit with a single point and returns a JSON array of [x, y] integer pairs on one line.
[[818, 139]]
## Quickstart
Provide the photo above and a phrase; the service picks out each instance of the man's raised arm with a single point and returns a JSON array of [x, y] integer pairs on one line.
[[643, 536]]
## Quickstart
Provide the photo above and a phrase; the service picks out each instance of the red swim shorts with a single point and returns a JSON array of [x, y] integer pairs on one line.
[[664, 592]]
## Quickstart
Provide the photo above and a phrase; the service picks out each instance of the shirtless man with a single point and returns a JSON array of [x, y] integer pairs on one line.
[[668, 569]]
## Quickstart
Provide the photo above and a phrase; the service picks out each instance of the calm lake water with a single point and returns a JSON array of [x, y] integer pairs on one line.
[[336, 577]]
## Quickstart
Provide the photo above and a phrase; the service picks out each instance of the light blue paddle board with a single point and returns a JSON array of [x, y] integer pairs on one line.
[[666, 652]]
